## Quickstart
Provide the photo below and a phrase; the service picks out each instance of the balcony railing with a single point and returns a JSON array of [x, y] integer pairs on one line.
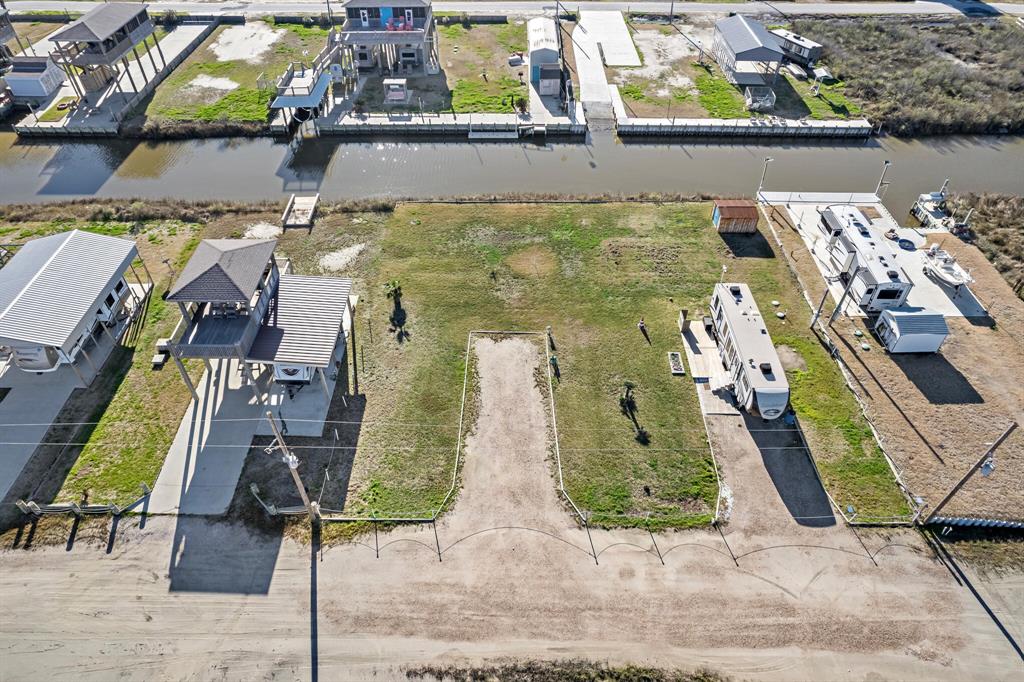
[[396, 25]]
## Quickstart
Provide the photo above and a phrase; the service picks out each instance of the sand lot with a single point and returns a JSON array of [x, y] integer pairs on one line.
[[508, 574]]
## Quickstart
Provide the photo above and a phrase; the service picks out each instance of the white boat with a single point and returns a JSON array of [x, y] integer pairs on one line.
[[941, 265], [933, 211]]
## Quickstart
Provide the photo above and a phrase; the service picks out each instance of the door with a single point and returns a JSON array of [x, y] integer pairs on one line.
[[364, 18], [408, 18]]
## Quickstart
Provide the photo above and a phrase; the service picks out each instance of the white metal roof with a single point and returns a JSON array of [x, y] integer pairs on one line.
[[904, 322], [542, 34], [304, 326], [50, 289], [753, 344], [748, 39]]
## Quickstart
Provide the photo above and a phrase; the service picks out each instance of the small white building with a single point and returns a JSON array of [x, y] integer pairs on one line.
[[864, 259], [545, 70], [33, 79], [758, 377], [911, 331]]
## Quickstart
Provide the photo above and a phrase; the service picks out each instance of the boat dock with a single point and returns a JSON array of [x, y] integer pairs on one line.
[[300, 211]]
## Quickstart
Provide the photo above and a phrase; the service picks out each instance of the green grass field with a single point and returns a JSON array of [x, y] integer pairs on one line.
[[589, 271]]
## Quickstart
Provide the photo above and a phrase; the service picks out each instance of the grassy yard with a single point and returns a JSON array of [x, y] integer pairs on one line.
[[590, 272], [55, 113], [32, 32], [209, 87], [927, 76], [468, 52]]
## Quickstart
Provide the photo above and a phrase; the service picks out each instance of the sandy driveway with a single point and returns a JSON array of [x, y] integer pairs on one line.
[[515, 579]]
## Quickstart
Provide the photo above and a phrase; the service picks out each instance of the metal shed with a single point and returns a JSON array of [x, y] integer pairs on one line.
[[545, 73], [735, 215], [911, 331]]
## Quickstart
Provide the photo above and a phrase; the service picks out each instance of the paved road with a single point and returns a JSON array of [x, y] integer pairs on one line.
[[520, 7]]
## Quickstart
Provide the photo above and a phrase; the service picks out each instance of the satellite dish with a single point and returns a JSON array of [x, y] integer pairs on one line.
[[336, 69]]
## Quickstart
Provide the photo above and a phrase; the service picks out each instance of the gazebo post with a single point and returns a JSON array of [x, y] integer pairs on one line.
[[184, 375]]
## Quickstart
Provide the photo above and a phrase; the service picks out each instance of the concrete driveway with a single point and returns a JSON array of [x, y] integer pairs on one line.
[[206, 458]]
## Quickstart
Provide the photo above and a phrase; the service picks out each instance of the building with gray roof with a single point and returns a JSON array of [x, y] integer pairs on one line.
[[746, 51], [94, 49], [239, 303], [56, 291]]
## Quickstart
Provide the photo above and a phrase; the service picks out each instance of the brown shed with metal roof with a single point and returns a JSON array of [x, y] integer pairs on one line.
[[735, 215]]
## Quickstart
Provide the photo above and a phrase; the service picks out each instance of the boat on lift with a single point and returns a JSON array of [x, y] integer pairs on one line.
[[933, 211], [942, 266]]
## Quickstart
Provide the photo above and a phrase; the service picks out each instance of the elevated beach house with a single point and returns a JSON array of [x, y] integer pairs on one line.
[[396, 37], [239, 302]]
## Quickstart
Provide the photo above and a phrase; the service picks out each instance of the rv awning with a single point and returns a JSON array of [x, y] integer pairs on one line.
[[50, 289], [307, 319]]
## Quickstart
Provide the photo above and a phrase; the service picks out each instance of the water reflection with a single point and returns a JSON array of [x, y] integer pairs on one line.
[[262, 168]]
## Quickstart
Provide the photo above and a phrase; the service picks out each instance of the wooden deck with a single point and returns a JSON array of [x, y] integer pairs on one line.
[[300, 211]]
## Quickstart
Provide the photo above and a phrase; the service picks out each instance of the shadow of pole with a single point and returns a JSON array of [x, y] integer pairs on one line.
[[314, 648]]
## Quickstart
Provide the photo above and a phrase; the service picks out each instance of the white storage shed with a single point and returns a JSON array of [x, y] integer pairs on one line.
[[911, 331], [34, 78], [545, 71]]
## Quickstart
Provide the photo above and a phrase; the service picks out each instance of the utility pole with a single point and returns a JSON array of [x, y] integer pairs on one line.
[[764, 172], [846, 292], [293, 465], [881, 180], [986, 458]]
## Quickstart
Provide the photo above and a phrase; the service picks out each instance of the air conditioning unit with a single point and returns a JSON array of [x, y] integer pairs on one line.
[[292, 374]]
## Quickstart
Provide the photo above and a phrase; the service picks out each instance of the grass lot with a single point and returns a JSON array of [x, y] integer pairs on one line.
[[927, 76], [671, 83], [589, 271], [54, 114], [467, 52], [176, 101]]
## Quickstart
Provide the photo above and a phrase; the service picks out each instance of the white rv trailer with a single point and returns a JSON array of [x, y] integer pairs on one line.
[[758, 377], [857, 250]]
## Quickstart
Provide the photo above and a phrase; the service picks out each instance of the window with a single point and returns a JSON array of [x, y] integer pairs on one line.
[[888, 294], [109, 300]]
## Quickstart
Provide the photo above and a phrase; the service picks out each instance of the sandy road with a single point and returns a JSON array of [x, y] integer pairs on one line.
[[802, 603]]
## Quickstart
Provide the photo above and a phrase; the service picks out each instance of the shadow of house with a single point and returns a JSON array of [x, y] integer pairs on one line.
[[73, 169], [221, 557], [789, 465], [938, 380]]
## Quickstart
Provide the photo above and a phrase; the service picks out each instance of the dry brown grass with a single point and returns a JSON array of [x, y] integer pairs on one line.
[[998, 226]]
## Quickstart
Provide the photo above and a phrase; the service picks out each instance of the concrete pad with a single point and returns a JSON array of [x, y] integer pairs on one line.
[[926, 293], [594, 93], [206, 458], [609, 29], [35, 400], [305, 412]]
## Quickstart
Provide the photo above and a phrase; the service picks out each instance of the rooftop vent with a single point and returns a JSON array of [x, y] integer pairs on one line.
[[766, 368], [734, 290], [893, 275]]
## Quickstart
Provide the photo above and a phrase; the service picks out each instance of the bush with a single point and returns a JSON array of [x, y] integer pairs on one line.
[[921, 77]]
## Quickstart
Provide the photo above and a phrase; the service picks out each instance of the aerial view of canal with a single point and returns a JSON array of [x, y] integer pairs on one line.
[[261, 168]]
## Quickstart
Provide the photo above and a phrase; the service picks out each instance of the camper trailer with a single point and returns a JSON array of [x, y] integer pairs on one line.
[[759, 380], [864, 259]]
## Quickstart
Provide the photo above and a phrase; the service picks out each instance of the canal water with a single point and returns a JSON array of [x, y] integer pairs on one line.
[[249, 169]]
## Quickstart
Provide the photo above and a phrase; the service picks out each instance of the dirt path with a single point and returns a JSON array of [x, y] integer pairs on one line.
[[506, 477]]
